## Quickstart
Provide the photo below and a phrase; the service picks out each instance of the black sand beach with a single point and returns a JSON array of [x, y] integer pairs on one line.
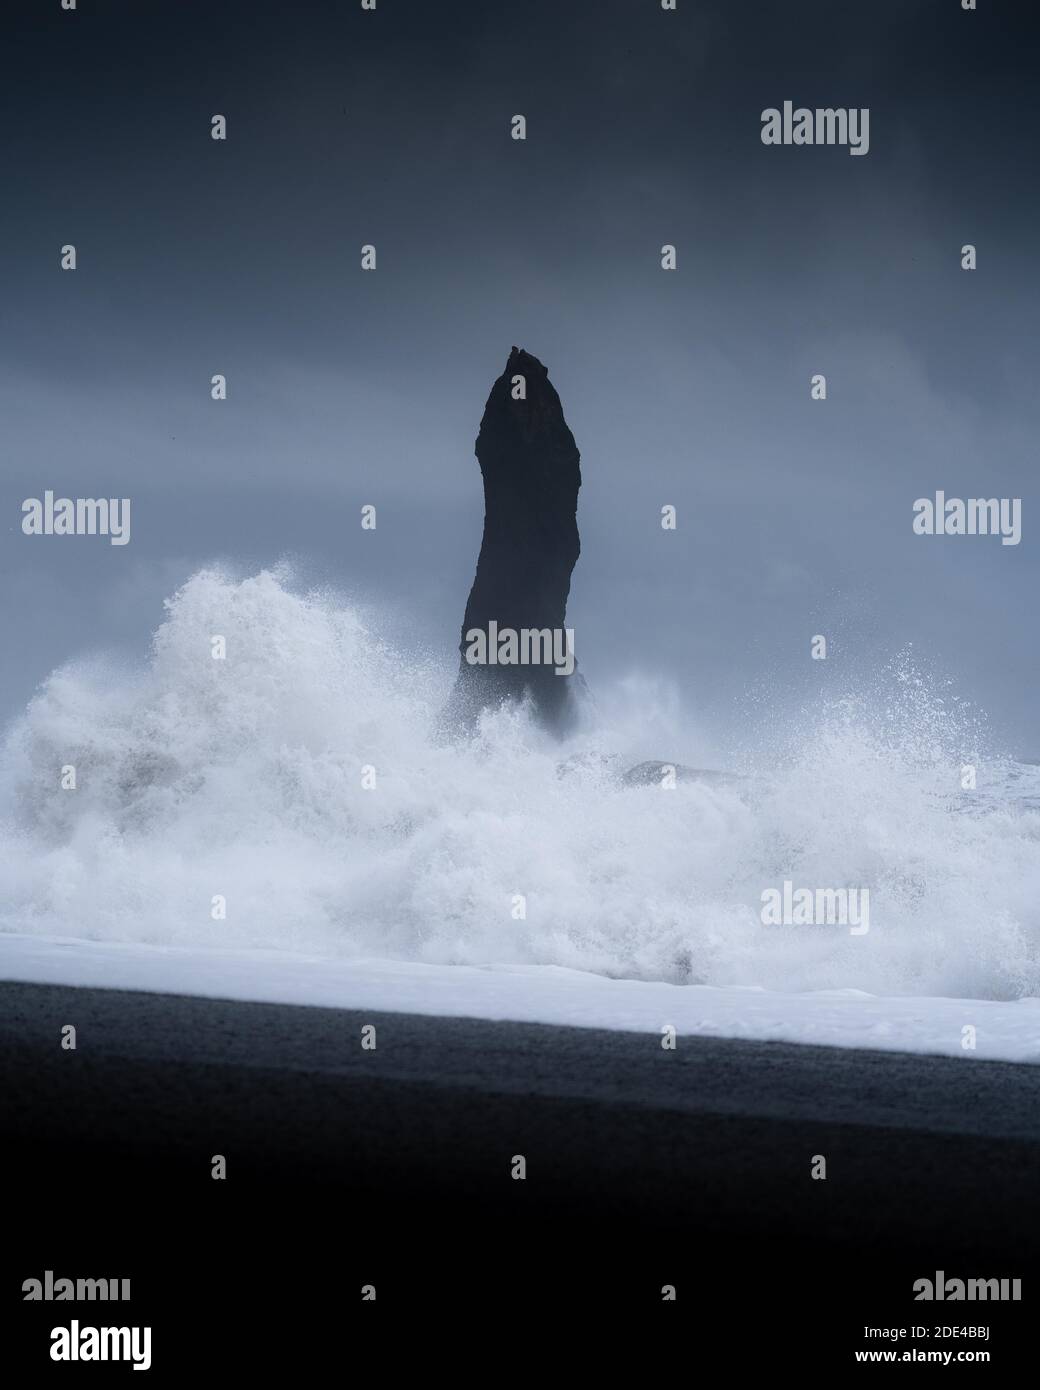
[[392, 1168]]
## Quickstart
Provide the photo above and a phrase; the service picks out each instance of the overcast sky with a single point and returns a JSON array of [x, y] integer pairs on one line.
[[691, 388]]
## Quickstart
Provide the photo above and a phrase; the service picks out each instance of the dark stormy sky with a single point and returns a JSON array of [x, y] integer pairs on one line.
[[690, 388]]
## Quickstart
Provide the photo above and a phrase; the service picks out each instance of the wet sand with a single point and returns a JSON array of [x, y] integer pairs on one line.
[[393, 1167]]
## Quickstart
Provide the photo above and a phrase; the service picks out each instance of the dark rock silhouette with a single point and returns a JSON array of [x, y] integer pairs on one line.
[[530, 467]]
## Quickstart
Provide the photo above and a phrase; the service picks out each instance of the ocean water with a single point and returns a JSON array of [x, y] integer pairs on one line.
[[243, 778]]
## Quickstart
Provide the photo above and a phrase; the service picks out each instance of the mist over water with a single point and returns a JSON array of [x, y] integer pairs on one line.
[[243, 777]]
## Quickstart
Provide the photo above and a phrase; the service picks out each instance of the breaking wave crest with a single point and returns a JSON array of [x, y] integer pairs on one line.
[[242, 778]]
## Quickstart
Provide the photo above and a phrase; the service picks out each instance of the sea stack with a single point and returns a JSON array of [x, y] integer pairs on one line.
[[531, 470]]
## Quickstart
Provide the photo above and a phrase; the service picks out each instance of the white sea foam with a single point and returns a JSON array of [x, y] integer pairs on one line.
[[243, 777]]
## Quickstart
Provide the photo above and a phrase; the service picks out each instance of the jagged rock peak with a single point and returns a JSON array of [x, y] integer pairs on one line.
[[531, 472]]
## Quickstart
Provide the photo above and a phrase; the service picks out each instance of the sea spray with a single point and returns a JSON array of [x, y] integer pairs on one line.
[[241, 778]]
